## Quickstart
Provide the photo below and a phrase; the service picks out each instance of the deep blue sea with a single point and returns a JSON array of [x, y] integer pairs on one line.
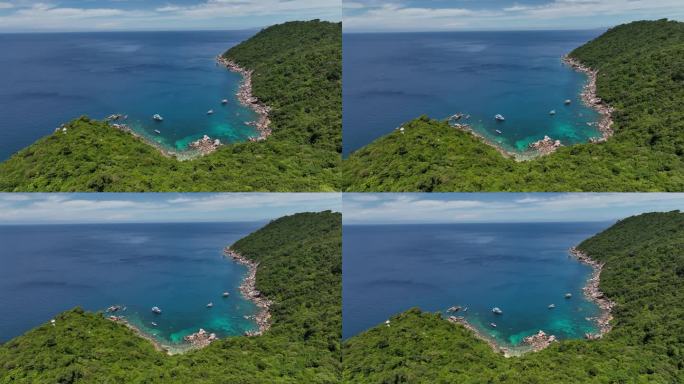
[[520, 268], [393, 78], [180, 268], [49, 79]]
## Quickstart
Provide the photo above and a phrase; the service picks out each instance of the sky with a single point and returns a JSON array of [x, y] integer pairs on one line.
[[158, 15], [446, 15], [75, 208], [416, 208]]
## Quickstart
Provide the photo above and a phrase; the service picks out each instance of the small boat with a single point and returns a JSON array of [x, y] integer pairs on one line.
[[454, 309], [568, 102], [226, 294], [552, 306], [497, 131], [210, 112], [224, 101], [499, 117], [158, 132], [210, 305], [153, 324], [497, 311], [568, 295], [493, 325], [156, 310], [157, 117], [553, 112]]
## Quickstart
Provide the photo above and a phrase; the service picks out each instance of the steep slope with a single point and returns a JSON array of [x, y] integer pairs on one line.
[[300, 271], [640, 75], [297, 71], [643, 274]]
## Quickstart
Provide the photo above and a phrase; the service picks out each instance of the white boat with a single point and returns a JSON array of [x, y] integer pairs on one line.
[[492, 325], [210, 305], [153, 324], [497, 131], [568, 102], [158, 132], [553, 112], [568, 295], [224, 101], [226, 294], [499, 117], [156, 310], [157, 117], [210, 112], [552, 306], [497, 311]]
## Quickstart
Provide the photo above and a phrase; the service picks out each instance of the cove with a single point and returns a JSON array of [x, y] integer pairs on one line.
[[50, 79], [392, 78], [47, 269], [521, 268]]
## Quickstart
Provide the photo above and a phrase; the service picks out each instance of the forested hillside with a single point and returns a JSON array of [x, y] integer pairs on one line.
[[643, 274], [300, 271], [297, 71], [641, 75]]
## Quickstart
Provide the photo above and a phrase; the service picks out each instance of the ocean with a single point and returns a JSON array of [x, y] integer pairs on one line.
[[520, 268], [47, 269], [391, 78], [50, 79]]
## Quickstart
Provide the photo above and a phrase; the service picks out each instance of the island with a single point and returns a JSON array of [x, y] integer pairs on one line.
[[641, 279], [292, 80], [636, 71], [296, 266]]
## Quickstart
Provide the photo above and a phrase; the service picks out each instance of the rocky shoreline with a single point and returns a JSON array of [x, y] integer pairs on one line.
[[144, 139], [205, 145], [157, 345], [546, 146], [592, 292], [462, 321], [514, 155], [539, 341], [250, 292], [202, 338], [247, 99], [591, 99], [532, 153], [542, 340]]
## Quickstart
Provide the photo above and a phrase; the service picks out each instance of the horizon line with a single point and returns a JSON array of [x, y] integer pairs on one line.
[[360, 32], [486, 222]]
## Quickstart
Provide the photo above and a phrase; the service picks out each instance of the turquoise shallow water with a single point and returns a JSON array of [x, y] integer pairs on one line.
[[520, 268], [177, 267], [49, 79], [395, 77]]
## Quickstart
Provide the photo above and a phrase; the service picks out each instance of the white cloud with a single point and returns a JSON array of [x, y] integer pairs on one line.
[[508, 207], [398, 16], [393, 16], [210, 14], [61, 208], [574, 8], [238, 8]]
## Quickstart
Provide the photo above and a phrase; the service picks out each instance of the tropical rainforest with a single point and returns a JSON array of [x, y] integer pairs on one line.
[[297, 72], [300, 270], [641, 75], [643, 274]]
